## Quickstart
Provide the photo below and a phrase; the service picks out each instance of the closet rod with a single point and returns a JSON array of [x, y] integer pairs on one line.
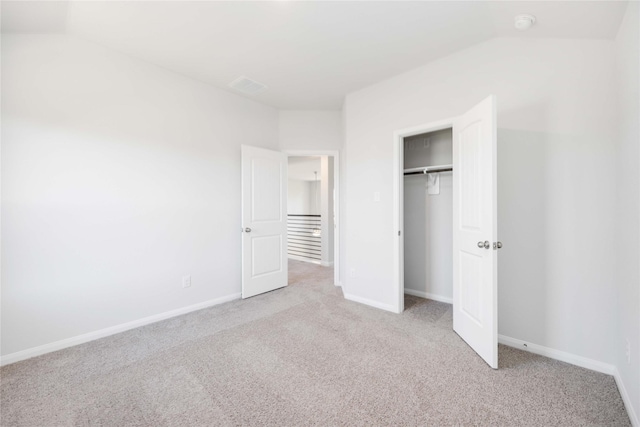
[[428, 169]]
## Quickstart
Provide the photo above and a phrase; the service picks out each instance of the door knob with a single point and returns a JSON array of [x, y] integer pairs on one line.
[[484, 244], [247, 230]]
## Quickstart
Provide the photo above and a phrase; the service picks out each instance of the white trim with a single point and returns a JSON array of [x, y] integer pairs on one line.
[[398, 202], [336, 202], [371, 303], [633, 417], [583, 362], [327, 264], [398, 218], [428, 295], [562, 356], [91, 336]]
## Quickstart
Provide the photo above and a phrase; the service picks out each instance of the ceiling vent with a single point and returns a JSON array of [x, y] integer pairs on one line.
[[247, 86], [524, 21]]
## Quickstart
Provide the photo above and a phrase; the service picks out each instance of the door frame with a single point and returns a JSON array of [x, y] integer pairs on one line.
[[398, 199], [336, 203]]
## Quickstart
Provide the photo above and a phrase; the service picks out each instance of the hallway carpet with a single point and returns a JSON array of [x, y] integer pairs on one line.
[[302, 356]]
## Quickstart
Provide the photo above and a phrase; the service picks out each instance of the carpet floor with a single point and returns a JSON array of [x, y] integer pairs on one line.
[[302, 356]]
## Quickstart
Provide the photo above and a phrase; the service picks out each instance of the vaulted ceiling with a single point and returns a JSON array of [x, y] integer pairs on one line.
[[309, 54]]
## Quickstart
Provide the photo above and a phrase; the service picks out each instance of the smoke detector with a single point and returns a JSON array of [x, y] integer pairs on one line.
[[524, 21], [247, 86]]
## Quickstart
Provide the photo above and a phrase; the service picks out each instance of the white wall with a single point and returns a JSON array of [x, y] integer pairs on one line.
[[118, 178], [627, 248], [314, 197], [303, 197], [298, 197], [556, 162], [428, 218], [310, 130]]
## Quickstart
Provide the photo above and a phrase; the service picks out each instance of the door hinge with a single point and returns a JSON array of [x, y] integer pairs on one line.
[[399, 232]]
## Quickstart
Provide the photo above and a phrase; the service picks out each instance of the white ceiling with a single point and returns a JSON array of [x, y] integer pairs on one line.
[[303, 168], [310, 54]]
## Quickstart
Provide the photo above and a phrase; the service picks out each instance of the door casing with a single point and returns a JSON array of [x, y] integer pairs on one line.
[[398, 200], [336, 185]]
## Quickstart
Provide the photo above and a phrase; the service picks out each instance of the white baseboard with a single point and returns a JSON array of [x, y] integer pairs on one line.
[[428, 295], [371, 303], [633, 416], [583, 362], [562, 356], [91, 336]]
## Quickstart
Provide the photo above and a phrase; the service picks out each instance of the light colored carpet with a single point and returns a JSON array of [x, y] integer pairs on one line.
[[298, 356]]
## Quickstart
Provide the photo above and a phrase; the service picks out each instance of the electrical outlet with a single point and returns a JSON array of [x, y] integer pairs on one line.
[[186, 281], [627, 351], [352, 272]]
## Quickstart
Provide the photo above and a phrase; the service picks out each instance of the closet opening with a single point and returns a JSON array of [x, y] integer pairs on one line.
[[428, 215], [445, 210]]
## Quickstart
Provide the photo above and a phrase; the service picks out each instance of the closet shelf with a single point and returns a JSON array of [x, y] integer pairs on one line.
[[428, 169]]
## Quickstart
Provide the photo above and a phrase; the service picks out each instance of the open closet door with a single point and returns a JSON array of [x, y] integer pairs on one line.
[[264, 220], [475, 296]]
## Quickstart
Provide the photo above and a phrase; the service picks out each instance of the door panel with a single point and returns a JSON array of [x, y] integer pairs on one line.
[[471, 286], [266, 255], [264, 220], [475, 303], [470, 184], [266, 189]]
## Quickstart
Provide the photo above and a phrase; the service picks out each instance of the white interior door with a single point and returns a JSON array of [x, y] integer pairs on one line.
[[475, 296], [264, 220]]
